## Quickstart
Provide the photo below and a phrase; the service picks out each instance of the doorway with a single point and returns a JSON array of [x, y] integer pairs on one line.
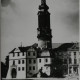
[[13, 73]]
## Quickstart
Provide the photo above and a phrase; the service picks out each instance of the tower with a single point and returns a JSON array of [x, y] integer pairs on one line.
[[44, 32]]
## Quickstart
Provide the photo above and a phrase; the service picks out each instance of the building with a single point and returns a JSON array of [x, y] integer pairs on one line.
[[25, 62], [69, 54], [73, 59]]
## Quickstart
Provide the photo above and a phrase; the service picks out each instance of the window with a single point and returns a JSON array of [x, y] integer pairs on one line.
[[30, 61], [33, 67], [23, 68], [28, 53], [46, 60], [34, 61], [22, 61], [23, 54], [70, 70], [74, 53], [18, 68], [19, 62], [33, 53], [75, 61], [39, 60], [70, 61], [18, 54], [30, 68], [13, 62]]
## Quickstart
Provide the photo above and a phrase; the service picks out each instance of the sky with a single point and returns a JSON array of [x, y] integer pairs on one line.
[[19, 22]]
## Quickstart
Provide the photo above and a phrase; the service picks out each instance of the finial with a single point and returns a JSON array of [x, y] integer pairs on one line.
[[43, 1]]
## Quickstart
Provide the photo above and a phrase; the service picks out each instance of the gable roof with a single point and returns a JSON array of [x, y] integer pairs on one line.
[[24, 49]]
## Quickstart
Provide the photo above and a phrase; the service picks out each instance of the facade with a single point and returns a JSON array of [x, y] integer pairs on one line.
[[25, 62], [73, 59], [69, 54], [17, 64], [44, 62], [22, 61]]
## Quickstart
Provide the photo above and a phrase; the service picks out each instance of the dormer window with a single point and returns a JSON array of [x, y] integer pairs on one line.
[[18, 54]]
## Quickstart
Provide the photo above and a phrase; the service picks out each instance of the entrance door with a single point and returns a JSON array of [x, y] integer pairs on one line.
[[13, 73]]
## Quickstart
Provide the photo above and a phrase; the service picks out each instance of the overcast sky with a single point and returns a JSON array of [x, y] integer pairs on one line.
[[19, 22]]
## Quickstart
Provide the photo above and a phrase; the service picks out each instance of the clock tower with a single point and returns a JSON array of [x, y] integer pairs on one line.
[[44, 32]]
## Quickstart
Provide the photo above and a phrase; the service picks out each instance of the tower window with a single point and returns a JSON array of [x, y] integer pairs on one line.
[[34, 61], [30, 68], [39, 60], [18, 68], [23, 68], [46, 60], [33, 67], [29, 61], [33, 53], [19, 62], [22, 61]]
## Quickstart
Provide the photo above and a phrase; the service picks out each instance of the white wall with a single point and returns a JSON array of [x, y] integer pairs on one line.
[[46, 69], [17, 65]]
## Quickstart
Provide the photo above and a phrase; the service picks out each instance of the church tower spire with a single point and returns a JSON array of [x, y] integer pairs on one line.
[[44, 32]]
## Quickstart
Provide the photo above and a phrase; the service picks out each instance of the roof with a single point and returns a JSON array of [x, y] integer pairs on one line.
[[74, 47], [24, 49], [63, 47]]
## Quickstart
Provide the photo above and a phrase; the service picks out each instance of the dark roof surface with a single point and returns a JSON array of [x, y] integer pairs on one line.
[[64, 47]]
